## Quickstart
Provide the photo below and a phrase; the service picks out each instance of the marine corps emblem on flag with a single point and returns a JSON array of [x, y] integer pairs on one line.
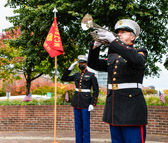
[[53, 44]]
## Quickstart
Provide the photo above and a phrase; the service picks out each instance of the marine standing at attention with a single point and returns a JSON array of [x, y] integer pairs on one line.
[[82, 100]]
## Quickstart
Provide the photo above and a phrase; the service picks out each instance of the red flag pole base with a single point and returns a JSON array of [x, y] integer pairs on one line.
[[55, 142]]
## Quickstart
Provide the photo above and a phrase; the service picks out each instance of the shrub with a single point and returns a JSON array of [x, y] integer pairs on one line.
[[150, 100], [61, 91], [44, 89], [50, 101], [155, 100], [102, 91], [101, 100], [61, 100], [165, 91], [16, 90], [149, 91], [33, 102], [18, 102], [2, 93]]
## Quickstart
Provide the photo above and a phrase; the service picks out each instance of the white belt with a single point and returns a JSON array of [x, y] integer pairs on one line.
[[82, 90], [124, 85]]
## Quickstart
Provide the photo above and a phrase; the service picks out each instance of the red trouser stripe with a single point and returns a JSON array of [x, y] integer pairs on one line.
[[142, 138]]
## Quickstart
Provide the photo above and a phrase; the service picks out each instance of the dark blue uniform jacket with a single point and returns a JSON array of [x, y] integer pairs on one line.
[[125, 64], [83, 80]]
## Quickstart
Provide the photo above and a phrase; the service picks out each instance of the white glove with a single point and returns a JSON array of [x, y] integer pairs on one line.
[[90, 108], [106, 35], [97, 44], [72, 65]]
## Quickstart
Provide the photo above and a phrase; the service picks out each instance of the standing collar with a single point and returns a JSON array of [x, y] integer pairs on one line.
[[84, 71]]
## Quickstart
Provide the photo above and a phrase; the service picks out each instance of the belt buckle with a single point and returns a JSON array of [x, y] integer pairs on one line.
[[114, 86], [79, 90]]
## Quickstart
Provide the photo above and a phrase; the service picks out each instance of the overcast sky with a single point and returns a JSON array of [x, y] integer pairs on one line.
[[159, 83], [3, 13]]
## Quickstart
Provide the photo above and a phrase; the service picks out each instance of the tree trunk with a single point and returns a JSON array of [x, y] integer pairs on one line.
[[28, 85], [29, 80]]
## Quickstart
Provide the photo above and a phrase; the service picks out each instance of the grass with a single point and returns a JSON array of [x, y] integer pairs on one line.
[[151, 100]]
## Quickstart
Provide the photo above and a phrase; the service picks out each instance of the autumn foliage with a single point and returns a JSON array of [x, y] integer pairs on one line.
[[18, 87], [11, 34], [9, 56]]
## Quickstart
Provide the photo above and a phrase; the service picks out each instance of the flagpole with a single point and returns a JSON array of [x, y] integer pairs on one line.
[[55, 105]]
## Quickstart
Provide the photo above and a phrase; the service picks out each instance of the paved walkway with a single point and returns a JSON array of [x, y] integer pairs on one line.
[[63, 137]]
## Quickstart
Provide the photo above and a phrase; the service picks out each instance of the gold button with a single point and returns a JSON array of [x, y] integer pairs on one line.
[[119, 56], [130, 95], [115, 73], [114, 79], [117, 61], [127, 47], [116, 39], [108, 64], [79, 86], [122, 43], [115, 67]]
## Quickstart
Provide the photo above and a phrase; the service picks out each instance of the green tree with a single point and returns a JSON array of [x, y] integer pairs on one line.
[[35, 18], [166, 63], [9, 56]]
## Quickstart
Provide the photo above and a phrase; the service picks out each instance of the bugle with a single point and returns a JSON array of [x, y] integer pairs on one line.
[[87, 23]]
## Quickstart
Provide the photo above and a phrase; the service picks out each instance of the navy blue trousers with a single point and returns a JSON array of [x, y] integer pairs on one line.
[[82, 125], [128, 134]]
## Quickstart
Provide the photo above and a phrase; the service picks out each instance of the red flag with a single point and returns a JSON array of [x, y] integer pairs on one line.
[[162, 97], [53, 44]]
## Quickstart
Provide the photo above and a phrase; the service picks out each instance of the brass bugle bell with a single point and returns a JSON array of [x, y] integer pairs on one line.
[[87, 23]]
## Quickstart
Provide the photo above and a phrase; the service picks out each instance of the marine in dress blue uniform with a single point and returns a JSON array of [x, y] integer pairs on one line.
[[82, 100], [125, 109]]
